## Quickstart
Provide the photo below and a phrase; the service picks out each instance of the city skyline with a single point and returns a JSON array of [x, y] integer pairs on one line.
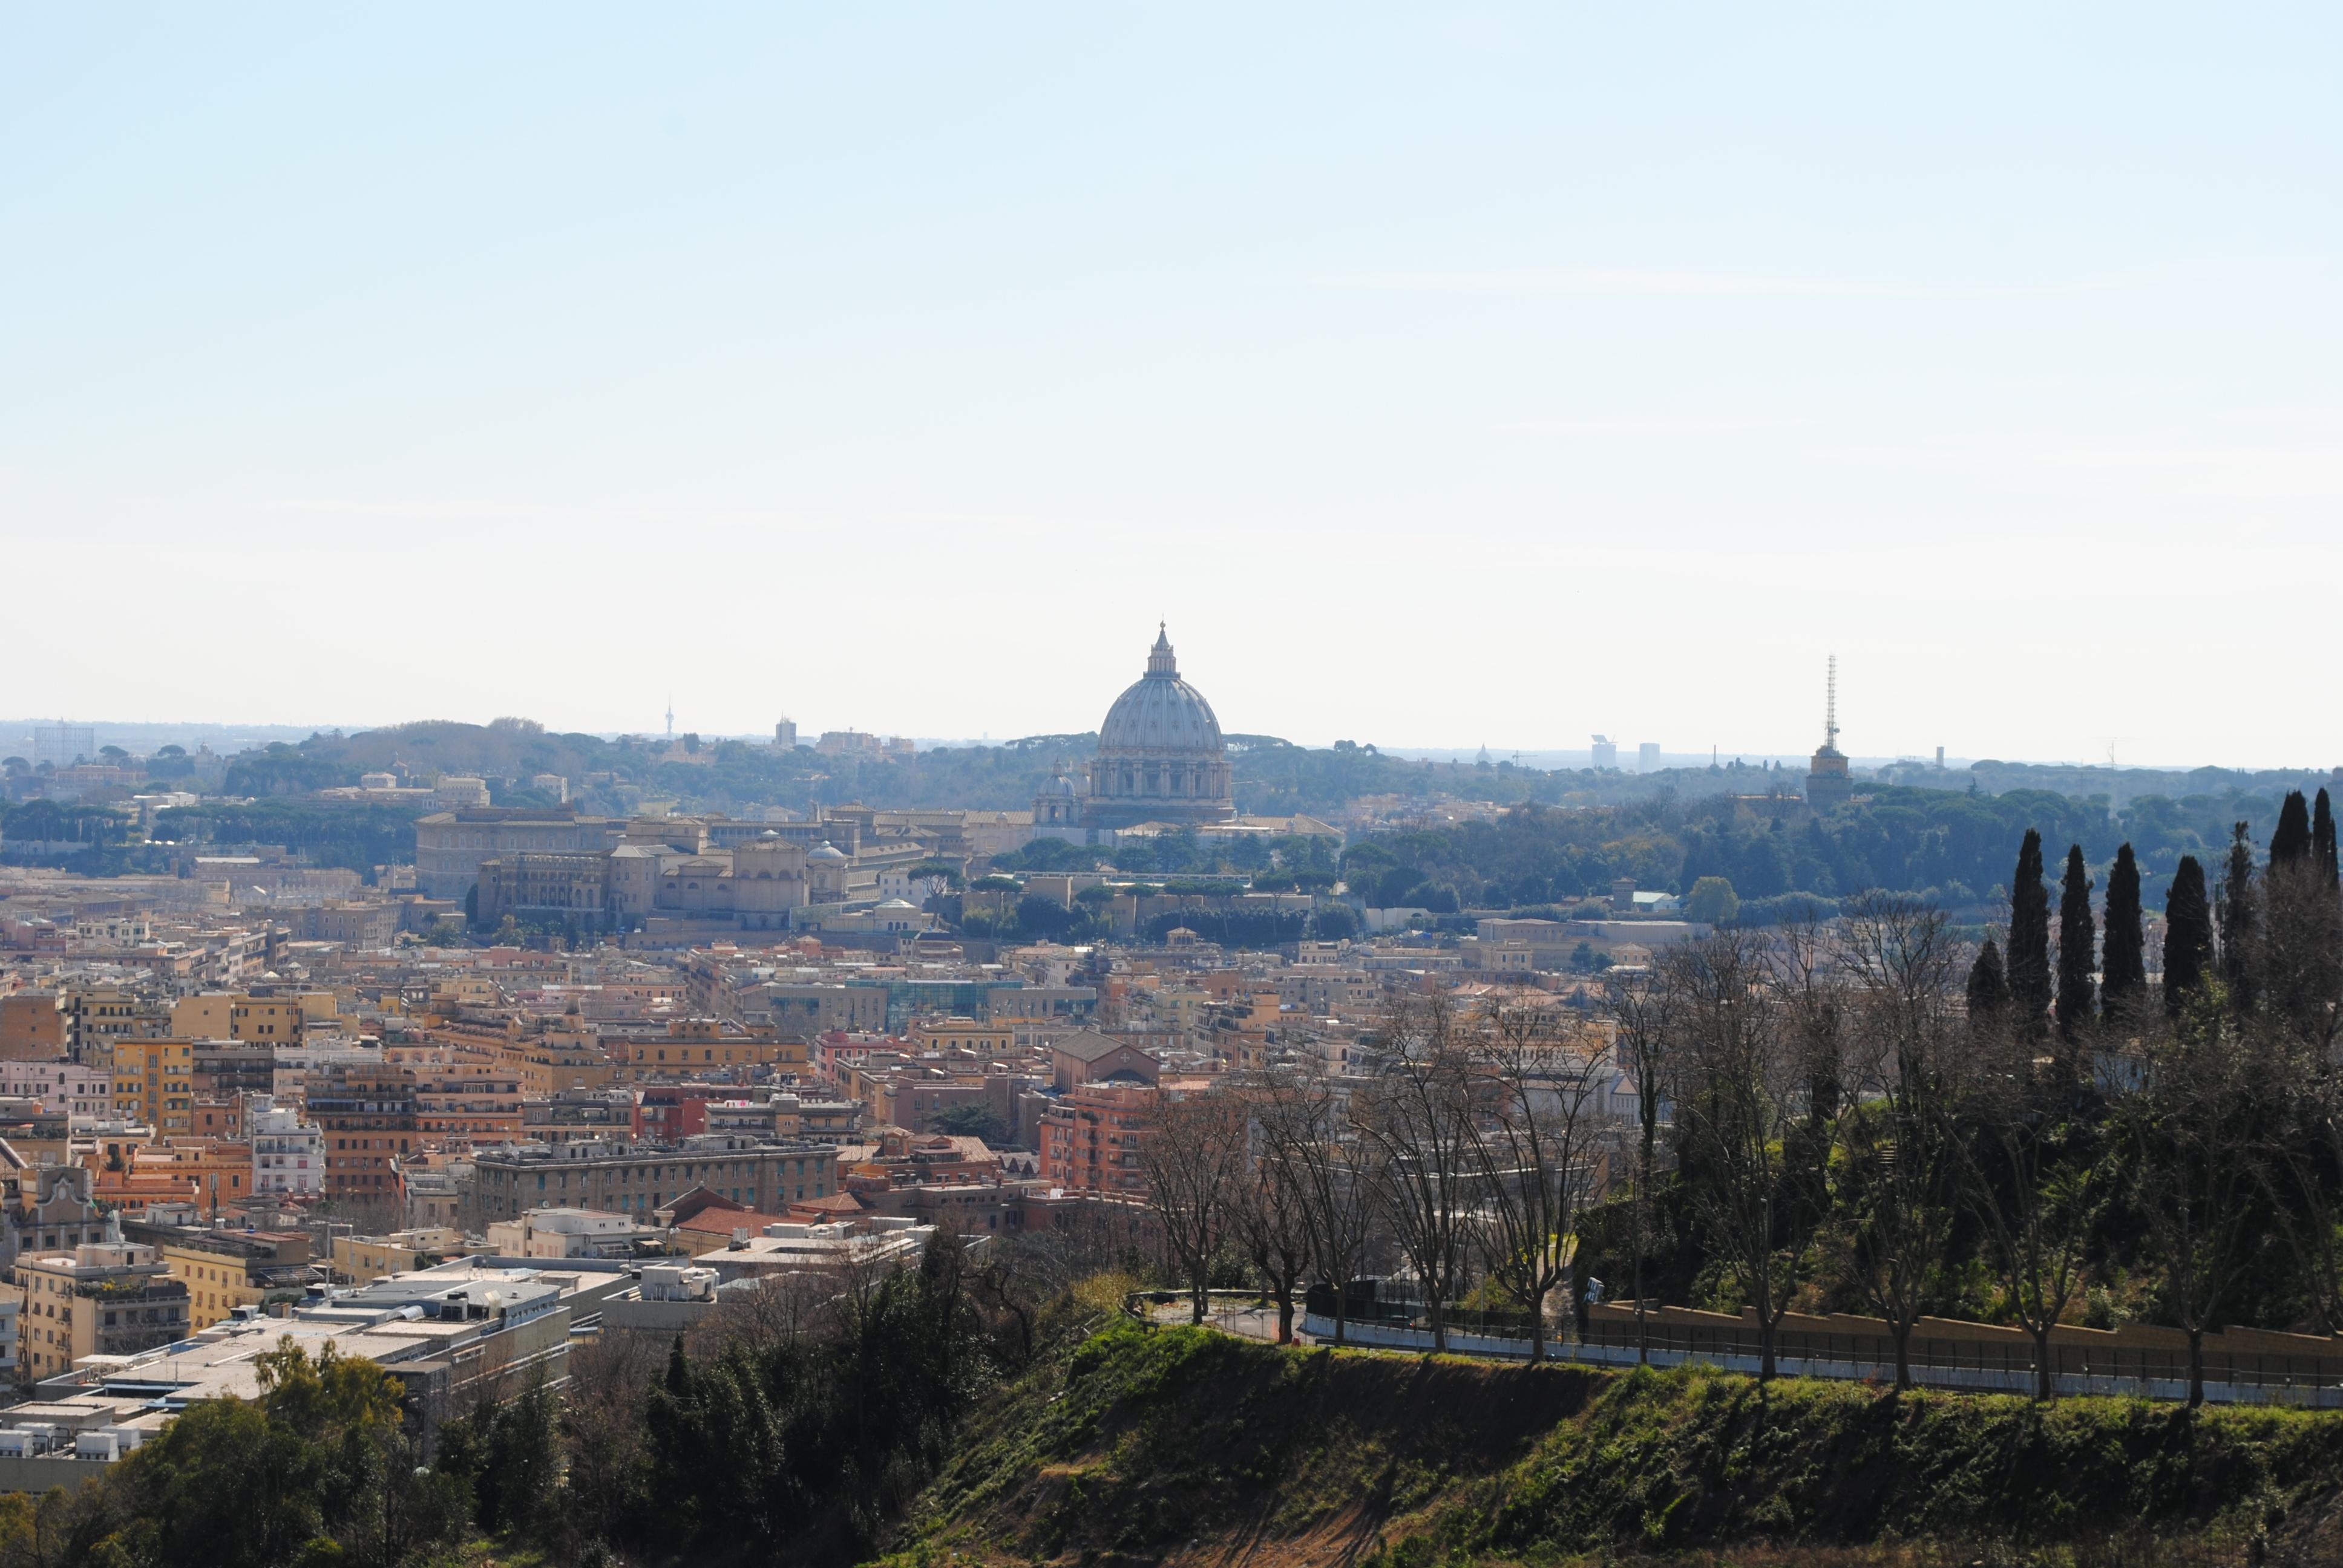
[[126, 731]]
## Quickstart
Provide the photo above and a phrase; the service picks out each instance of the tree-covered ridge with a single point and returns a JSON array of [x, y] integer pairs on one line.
[[1951, 846], [358, 836], [1942, 835]]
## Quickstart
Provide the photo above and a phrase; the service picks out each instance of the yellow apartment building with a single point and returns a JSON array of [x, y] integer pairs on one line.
[[153, 1082]]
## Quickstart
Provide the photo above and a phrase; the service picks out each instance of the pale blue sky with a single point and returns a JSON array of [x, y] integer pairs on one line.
[[1445, 376]]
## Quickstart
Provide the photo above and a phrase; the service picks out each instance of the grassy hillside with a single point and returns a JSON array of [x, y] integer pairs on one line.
[[1183, 1445]]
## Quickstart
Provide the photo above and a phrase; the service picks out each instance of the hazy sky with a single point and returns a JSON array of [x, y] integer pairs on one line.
[[1445, 376]]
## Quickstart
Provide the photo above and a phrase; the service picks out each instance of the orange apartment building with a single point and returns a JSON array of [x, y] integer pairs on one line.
[[1091, 1135], [153, 1082], [212, 1171]]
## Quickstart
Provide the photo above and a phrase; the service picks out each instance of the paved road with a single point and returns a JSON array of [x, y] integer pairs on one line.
[[1253, 1323]]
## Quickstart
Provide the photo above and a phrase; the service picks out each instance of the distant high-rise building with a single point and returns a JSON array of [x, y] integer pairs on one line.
[[1606, 753], [1647, 756], [1828, 783], [785, 735], [64, 744]]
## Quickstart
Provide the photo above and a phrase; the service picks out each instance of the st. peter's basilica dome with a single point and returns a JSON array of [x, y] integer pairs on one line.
[[1161, 758]]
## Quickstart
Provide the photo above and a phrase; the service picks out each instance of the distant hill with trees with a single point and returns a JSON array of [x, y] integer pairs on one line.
[[1917, 828], [1951, 846]]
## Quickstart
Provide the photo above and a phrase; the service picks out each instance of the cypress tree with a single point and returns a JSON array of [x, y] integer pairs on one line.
[[2322, 841], [2123, 964], [2188, 933], [2240, 928], [1988, 988], [2077, 949], [2029, 934], [2298, 969], [2290, 840]]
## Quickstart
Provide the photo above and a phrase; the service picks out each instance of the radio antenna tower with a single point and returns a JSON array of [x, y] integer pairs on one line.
[[1830, 708]]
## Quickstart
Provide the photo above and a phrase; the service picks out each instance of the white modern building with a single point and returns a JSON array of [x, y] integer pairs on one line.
[[288, 1154], [566, 1233]]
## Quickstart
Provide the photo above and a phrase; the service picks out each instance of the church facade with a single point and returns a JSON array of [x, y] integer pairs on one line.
[[1161, 759]]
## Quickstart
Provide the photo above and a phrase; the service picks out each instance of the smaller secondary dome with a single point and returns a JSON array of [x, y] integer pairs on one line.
[[828, 851]]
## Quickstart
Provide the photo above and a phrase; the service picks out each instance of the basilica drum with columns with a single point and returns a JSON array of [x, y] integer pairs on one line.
[[1160, 758]]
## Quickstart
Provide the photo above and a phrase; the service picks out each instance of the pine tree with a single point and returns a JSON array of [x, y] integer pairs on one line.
[[2123, 963], [2240, 931], [2290, 840], [1988, 988], [2322, 841], [2188, 933], [2029, 935], [2077, 949]]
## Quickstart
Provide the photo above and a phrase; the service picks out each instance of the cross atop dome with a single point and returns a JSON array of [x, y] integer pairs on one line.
[[1158, 657]]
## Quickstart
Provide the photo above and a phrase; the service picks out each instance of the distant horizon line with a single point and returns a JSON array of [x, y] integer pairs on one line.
[[1670, 759]]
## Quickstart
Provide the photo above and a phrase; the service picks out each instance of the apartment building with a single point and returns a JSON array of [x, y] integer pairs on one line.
[[288, 1152], [366, 1116], [98, 1016], [225, 1270], [63, 1088], [103, 1298], [694, 1045], [465, 1103], [1091, 1137], [33, 1027], [265, 1020], [639, 1180], [153, 1082]]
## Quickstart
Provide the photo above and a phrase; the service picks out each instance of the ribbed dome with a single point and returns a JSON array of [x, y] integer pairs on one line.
[[1160, 713]]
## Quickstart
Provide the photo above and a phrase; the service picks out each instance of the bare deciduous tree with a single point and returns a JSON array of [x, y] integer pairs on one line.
[[1741, 1103], [1418, 1112], [2195, 1122], [1308, 1143], [1900, 1166], [1194, 1160], [763, 1312], [1269, 1216], [1532, 1154], [2035, 1179], [602, 1428], [1642, 1010]]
